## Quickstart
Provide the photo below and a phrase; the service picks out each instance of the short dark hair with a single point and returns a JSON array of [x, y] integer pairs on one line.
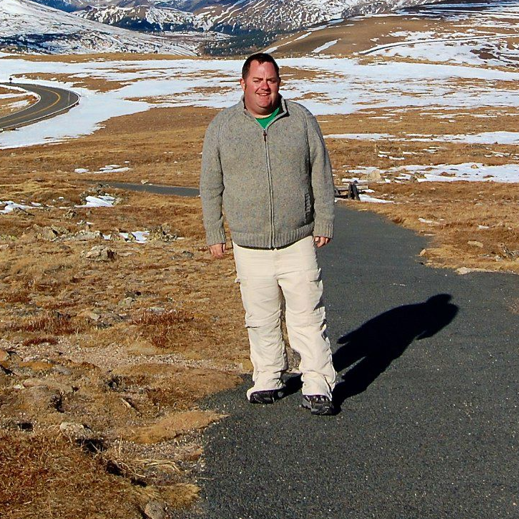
[[260, 57]]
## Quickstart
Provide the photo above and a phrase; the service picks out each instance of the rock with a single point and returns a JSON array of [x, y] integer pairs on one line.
[[474, 243], [507, 252], [374, 176], [50, 233], [187, 254], [42, 397], [126, 302], [76, 431], [99, 253], [90, 315], [162, 233], [423, 252], [156, 310], [70, 214], [155, 509], [22, 212], [62, 370], [88, 235]]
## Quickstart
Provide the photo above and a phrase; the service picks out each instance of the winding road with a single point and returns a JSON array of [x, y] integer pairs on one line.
[[52, 101]]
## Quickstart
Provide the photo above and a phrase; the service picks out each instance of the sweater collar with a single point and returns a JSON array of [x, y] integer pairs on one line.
[[282, 103]]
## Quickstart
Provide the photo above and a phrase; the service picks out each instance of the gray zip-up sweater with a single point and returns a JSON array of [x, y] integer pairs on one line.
[[274, 185]]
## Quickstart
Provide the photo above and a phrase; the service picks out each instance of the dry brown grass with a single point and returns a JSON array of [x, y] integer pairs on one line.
[[44, 476]]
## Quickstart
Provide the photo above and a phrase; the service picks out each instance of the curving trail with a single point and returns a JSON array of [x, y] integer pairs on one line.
[[53, 101]]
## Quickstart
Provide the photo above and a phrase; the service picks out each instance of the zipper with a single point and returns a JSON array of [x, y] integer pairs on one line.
[[271, 194]]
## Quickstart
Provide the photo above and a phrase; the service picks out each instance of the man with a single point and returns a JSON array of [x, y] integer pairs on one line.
[[265, 164]]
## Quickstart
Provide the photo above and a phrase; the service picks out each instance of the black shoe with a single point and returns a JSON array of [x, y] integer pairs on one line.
[[319, 405], [268, 396]]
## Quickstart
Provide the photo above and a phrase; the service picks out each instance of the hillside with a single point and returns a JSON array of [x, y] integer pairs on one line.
[[31, 27]]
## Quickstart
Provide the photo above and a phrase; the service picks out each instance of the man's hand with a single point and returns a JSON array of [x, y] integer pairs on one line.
[[217, 250], [321, 241]]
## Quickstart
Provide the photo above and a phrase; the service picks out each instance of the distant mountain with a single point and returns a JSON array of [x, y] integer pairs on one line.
[[145, 17], [234, 16], [227, 16], [31, 27], [188, 24]]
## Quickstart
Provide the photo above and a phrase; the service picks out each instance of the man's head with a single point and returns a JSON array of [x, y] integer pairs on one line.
[[260, 83]]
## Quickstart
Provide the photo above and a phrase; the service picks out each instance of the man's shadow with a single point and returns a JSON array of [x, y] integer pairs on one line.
[[371, 348]]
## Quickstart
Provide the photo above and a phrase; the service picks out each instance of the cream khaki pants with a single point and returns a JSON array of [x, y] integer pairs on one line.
[[292, 273]]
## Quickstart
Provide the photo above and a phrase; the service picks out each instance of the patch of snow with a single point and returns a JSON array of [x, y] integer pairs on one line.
[[324, 47], [99, 201], [10, 206], [112, 168], [138, 236], [373, 200], [500, 137]]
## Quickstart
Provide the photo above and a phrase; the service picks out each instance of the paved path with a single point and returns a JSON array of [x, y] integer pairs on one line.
[[53, 101], [429, 419]]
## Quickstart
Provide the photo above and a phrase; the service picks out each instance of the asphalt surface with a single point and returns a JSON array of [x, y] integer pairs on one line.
[[53, 101], [429, 399]]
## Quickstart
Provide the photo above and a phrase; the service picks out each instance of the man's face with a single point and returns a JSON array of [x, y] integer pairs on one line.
[[261, 89]]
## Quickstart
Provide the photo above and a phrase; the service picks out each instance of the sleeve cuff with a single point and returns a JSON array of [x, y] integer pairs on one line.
[[323, 229], [216, 236]]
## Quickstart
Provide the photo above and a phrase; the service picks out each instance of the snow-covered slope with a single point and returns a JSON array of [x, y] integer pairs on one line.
[[141, 17], [230, 16], [28, 26], [288, 15]]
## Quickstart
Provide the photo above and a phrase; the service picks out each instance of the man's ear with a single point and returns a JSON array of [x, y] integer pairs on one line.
[[242, 83]]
